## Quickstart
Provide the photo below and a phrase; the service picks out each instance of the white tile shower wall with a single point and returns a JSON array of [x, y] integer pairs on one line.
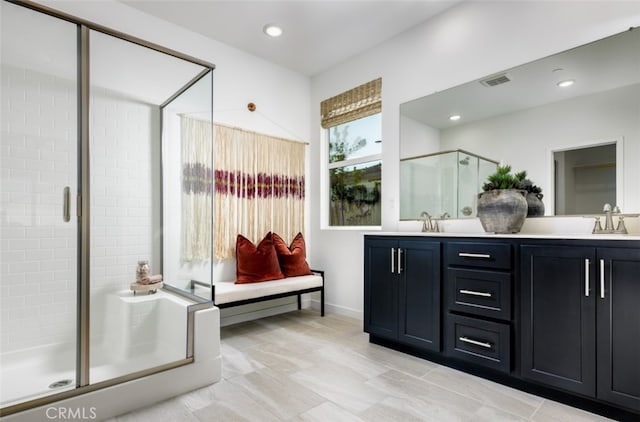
[[125, 197], [38, 249]]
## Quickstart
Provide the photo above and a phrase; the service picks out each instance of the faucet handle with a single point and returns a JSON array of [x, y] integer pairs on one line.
[[621, 229], [616, 210], [597, 227]]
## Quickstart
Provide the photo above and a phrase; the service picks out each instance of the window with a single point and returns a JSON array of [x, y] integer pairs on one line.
[[353, 161]]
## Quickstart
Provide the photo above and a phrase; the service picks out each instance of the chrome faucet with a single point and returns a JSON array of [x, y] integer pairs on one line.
[[430, 224], [608, 223], [426, 223]]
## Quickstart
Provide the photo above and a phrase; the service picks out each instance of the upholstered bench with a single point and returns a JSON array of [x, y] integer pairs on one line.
[[226, 294]]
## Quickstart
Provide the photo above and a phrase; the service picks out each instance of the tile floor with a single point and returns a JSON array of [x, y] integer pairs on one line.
[[301, 367]]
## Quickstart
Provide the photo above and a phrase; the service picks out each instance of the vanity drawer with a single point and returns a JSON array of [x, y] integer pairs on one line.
[[480, 342], [481, 254], [479, 292]]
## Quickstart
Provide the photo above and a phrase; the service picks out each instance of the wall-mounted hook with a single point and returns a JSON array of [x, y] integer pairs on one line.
[[251, 107]]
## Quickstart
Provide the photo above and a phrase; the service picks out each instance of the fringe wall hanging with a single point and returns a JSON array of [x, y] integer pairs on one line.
[[197, 181], [259, 187]]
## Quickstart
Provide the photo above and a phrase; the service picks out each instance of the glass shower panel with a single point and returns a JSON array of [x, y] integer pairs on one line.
[[468, 186], [445, 184], [187, 180], [38, 225], [129, 332]]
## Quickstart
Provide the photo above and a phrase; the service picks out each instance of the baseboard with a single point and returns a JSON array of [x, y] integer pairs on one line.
[[337, 309], [243, 313]]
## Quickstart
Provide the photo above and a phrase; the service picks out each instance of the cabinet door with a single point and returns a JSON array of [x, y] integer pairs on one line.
[[419, 304], [381, 287], [558, 317], [619, 326]]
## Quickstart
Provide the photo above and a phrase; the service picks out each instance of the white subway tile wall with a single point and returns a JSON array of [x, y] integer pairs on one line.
[[38, 159], [125, 202], [38, 249]]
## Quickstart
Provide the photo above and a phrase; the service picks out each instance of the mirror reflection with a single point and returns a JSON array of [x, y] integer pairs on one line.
[[442, 185], [585, 178], [581, 98]]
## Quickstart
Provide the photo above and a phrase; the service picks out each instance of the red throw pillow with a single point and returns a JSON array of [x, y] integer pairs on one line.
[[293, 259], [256, 263]]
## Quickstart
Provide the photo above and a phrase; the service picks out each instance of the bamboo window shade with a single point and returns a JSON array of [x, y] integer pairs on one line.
[[361, 101]]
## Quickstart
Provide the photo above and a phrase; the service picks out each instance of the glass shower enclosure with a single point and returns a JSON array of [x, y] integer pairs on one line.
[[82, 157], [444, 185]]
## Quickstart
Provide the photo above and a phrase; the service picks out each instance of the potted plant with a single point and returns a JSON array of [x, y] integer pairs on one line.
[[502, 206], [534, 195]]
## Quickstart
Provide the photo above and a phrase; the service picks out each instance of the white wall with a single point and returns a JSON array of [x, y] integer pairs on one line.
[[469, 41]]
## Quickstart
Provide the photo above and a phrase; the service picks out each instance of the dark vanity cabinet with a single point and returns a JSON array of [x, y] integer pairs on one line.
[[580, 320], [402, 291], [618, 326], [478, 303], [559, 316]]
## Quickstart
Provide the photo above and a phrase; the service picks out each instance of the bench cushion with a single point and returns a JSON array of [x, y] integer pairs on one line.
[[228, 291]]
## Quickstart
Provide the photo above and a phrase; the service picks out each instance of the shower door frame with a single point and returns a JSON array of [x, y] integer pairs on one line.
[[83, 385]]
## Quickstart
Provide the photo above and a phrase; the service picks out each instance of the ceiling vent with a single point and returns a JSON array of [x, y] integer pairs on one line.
[[496, 80]]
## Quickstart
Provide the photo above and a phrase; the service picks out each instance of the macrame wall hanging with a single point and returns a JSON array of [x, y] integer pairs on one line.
[[259, 187], [197, 179], [258, 183]]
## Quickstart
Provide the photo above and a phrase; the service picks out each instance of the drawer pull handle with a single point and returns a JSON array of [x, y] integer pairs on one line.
[[474, 293], [475, 342], [393, 256], [474, 255], [602, 278], [586, 277]]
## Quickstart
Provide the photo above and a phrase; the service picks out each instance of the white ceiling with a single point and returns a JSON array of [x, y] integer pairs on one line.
[[318, 34], [42, 44]]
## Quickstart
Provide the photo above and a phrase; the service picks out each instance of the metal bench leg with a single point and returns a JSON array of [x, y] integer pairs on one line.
[[322, 301], [299, 301]]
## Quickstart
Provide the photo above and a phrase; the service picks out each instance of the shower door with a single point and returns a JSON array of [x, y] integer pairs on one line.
[[38, 222]]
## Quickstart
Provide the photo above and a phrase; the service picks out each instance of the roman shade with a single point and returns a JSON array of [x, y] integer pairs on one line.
[[356, 103]]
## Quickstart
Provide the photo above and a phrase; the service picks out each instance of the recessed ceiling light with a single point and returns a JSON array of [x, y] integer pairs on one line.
[[566, 83], [455, 117], [272, 30]]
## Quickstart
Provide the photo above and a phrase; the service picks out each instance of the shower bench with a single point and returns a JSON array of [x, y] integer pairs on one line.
[[227, 294]]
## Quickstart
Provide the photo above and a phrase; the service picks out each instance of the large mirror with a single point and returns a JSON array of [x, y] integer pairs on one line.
[[547, 117]]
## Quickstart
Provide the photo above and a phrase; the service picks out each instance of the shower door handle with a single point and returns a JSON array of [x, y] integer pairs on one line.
[[66, 204]]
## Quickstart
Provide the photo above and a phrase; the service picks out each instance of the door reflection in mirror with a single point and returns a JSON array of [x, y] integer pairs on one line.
[[585, 179]]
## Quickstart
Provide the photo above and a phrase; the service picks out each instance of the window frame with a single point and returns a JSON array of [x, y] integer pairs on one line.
[[325, 182]]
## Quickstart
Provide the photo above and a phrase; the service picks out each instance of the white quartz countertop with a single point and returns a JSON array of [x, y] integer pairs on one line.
[[570, 227], [484, 235]]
